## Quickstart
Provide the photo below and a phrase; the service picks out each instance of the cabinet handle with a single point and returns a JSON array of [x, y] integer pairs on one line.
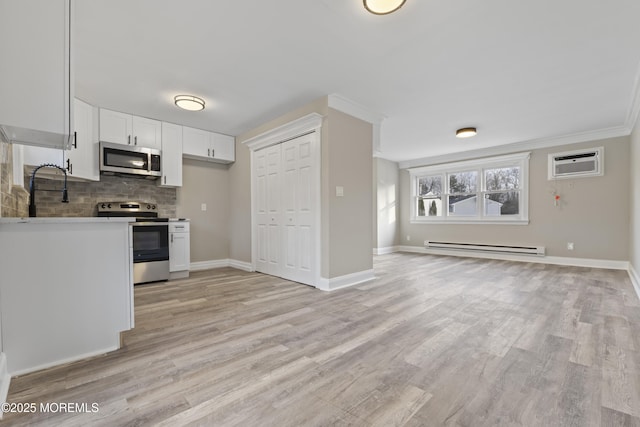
[[75, 139], [165, 179], [172, 238], [135, 140], [129, 139], [208, 152], [69, 167], [213, 152]]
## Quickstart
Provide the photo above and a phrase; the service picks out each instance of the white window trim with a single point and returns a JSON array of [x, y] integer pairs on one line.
[[520, 159]]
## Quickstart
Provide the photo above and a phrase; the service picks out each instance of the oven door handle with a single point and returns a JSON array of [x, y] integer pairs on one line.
[[149, 224]]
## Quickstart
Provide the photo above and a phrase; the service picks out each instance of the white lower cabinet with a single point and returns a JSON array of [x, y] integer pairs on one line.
[[76, 301], [179, 251]]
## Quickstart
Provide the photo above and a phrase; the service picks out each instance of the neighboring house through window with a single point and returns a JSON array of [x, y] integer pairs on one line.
[[488, 190]]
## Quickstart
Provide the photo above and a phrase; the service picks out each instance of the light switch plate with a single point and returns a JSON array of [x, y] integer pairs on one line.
[[339, 191], [203, 207]]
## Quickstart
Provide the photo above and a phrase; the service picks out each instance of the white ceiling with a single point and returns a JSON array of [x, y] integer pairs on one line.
[[517, 70]]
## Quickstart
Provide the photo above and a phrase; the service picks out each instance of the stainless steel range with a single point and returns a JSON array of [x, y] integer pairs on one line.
[[150, 238]]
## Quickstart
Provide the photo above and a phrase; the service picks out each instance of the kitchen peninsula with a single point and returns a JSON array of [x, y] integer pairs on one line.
[[66, 291]]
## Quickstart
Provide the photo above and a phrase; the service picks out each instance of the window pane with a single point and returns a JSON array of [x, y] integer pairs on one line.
[[502, 179], [429, 206], [463, 205], [429, 185], [498, 204], [463, 182]]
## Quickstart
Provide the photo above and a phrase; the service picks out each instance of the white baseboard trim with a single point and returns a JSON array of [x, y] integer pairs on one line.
[[241, 265], [207, 265], [345, 281], [555, 260], [5, 380], [635, 279], [219, 263], [385, 251], [66, 360]]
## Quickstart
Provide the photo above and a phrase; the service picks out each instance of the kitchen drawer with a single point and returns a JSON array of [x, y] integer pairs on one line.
[[178, 227]]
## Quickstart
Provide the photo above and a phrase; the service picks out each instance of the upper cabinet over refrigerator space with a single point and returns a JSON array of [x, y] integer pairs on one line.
[[210, 146], [37, 86]]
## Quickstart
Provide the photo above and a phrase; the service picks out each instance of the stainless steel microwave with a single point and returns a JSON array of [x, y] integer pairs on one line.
[[128, 160]]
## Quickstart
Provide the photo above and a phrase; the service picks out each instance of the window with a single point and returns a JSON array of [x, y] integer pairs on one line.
[[492, 190]]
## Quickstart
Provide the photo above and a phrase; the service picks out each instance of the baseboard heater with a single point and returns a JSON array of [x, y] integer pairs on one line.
[[476, 247]]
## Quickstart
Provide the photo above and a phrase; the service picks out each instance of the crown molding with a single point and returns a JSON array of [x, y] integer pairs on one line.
[[303, 125], [532, 144], [634, 107], [359, 111]]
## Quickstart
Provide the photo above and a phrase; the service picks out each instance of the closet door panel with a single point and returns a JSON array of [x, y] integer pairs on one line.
[[285, 209]]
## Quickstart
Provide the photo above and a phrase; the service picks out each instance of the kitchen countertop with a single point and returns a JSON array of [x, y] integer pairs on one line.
[[65, 220]]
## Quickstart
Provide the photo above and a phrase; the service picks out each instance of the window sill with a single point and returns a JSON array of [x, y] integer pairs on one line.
[[471, 221]]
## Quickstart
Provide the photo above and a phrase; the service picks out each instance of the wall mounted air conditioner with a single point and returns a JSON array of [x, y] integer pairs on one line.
[[576, 164]]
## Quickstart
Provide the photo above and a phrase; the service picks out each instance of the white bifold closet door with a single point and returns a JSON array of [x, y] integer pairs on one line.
[[285, 209]]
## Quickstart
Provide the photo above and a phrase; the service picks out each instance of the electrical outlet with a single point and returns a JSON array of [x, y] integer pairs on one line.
[[570, 246], [408, 238]]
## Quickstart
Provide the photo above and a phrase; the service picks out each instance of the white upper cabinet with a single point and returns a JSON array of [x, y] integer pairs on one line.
[[196, 143], [171, 156], [115, 127], [36, 86], [223, 147], [82, 159], [210, 146], [147, 132], [122, 128]]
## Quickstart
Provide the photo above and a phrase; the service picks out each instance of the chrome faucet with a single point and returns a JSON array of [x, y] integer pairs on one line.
[[32, 187]]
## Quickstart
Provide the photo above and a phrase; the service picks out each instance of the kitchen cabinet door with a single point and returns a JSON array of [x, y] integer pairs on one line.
[[82, 158], [179, 251], [36, 86], [171, 156], [223, 147], [116, 127], [147, 132], [210, 146], [196, 143]]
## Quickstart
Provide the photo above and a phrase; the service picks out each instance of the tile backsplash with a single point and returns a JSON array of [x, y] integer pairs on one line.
[[84, 196], [14, 200]]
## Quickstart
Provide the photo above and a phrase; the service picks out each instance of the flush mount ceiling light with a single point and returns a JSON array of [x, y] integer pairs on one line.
[[188, 102], [466, 132], [383, 7]]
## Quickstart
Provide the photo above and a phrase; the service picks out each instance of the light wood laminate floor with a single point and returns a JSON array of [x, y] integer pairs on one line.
[[432, 341]]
